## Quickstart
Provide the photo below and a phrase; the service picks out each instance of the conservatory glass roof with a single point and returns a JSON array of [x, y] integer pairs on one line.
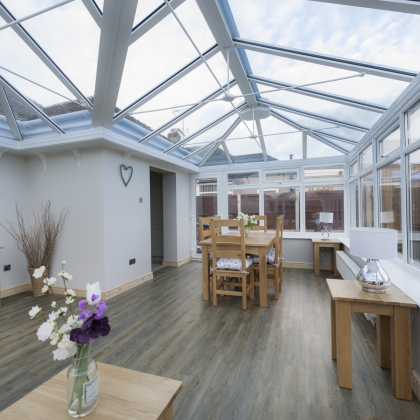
[[208, 82]]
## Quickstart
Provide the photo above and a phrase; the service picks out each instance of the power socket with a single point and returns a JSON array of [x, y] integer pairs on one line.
[[132, 261], [7, 267]]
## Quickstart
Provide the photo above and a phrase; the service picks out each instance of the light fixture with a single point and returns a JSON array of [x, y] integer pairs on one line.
[[325, 218], [374, 244]]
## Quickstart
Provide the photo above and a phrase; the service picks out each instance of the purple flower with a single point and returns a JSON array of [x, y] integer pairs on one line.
[[82, 304], [100, 308], [85, 314], [92, 328], [94, 297]]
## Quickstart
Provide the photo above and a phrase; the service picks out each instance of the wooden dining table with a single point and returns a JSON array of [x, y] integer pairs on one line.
[[256, 243]]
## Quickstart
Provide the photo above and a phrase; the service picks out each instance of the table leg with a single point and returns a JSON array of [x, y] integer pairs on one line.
[[205, 272], [383, 340], [401, 353], [333, 331], [334, 261], [316, 259], [263, 277], [168, 415], [343, 337]]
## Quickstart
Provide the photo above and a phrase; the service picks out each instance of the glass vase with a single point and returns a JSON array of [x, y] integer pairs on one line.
[[82, 384]]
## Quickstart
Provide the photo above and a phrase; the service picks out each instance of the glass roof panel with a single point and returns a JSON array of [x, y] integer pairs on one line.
[[317, 149], [144, 9], [368, 88], [218, 158], [243, 146], [358, 33], [100, 4], [22, 8], [70, 36], [5, 130]]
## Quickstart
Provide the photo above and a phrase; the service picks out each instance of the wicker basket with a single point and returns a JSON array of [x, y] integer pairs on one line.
[[37, 284]]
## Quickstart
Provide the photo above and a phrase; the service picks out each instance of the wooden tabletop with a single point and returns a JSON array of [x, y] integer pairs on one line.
[[123, 394], [330, 241], [351, 290], [254, 239]]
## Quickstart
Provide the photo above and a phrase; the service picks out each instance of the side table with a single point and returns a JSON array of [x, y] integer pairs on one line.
[[319, 243]]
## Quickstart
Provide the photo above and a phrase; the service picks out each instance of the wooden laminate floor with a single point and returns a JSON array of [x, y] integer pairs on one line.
[[272, 363]]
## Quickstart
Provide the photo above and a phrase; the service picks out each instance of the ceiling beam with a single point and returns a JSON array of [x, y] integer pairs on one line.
[[8, 113], [401, 6], [313, 115], [209, 154], [335, 137], [218, 25], [117, 21], [44, 57], [153, 19], [185, 114], [38, 112], [327, 60], [179, 74], [343, 100], [94, 11], [302, 128]]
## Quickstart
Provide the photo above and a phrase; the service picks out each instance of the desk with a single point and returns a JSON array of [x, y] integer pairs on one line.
[[256, 243], [393, 331], [319, 243], [123, 394]]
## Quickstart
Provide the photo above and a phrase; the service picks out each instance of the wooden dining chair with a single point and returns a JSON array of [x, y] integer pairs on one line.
[[229, 261], [258, 226], [274, 261]]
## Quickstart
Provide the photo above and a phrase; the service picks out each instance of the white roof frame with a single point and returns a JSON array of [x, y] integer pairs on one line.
[[9, 115], [402, 6]]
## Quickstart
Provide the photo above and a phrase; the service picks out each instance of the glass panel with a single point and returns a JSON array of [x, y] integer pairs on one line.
[[318, 149], [4, 126], [328, 173], [282, 201], [246, 201], [367, 201], [389, 143], [413, 124], [366, 158], [324, 198], [70, 36], [218, 158], [354, 222], [414, 208], [244, 178], [390, 201], [205, 203], [144, 9], [288, 175], [354, 169], [100, 4]]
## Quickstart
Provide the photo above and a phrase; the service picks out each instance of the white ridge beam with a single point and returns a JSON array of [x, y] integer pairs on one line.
[[94, 11], [327, 60], [9, 115], [117, 21]]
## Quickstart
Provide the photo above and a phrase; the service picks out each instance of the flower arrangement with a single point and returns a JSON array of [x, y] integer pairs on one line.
[[249, 221], [74, 335]]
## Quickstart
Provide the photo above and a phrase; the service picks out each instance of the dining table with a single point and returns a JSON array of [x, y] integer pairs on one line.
[[256, 243]]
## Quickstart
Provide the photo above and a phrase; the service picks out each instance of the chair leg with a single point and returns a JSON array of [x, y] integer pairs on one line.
[[244, 294], [276, 283], [280, 276], [251, 280], [214, 290]]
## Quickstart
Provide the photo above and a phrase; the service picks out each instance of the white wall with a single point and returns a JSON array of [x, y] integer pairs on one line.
[[183, 215]]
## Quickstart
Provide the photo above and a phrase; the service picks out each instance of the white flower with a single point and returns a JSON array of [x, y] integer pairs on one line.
[[69, 300], [60, 274], [50, 282], [64, 262], [64, 328], [67, 276], [54, 304], [36, 310], [39, 272], [71, 320], [45, 330], [44, 289], [71, 292], [54, 338], [62, 310], [52, 317], [66, 348], [93, 289]]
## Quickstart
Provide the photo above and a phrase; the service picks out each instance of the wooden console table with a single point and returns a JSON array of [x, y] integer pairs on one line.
[[123, 394], [393, 331], [319, 243]]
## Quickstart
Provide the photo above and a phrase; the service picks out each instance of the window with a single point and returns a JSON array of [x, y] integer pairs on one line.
[[390, 199], [414, 208], [245, 201], [244, 178], [366, 158], [329, 173], [354, 211], [324, 198], [291, 175], [205, 203], [367, 201], [353, 168], [282, 201], [413, 124], [389, 143]]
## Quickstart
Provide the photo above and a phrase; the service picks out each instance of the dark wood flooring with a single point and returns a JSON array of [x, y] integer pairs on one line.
[[272, 363]]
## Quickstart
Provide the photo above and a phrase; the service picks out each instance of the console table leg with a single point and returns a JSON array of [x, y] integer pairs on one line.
[[344, 351], [333, 331], [383, 340]]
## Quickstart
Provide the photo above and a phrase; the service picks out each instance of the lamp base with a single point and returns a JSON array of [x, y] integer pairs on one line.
[[325, 234], [373, 277]]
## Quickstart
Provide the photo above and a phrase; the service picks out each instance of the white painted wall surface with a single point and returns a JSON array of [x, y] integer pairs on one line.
[[183, 215]]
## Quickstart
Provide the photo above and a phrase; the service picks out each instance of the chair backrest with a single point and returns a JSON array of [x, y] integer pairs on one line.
[[279, 239], [204, 226], [231, 245], [258, 226]]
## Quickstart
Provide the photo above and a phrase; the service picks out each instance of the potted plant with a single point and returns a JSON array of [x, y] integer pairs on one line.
[[38, 240]]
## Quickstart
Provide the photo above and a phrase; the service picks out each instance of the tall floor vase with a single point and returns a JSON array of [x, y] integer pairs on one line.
[[37, 284]]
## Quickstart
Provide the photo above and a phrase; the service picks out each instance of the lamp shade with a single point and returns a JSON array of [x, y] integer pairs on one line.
[[374, 243], [387, 217], [326, 217]]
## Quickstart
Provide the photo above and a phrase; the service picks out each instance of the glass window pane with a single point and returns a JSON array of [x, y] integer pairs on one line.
[[241, 147], [205, 203], [246, 201], [4, 126], [414, 208], [367, 201], [366, 158], [354, 221], [316, 149], [354, 168], [282, 201], [144, 9], [217, 158], [389, 143], [390, 200], [328, 173], [413, 124], [244, 178], [287, 175], [324, 198]]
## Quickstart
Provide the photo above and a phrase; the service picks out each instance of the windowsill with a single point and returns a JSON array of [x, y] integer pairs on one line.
[[309, 235]]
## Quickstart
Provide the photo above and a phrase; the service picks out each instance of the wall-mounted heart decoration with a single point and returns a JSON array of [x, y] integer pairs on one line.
[[126, 175]]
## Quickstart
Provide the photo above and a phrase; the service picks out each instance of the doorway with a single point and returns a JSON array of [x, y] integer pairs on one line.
[[156, 219]]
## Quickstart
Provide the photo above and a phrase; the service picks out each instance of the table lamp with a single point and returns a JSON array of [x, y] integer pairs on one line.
[[374, 244], [387, 217], [325, 218]]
